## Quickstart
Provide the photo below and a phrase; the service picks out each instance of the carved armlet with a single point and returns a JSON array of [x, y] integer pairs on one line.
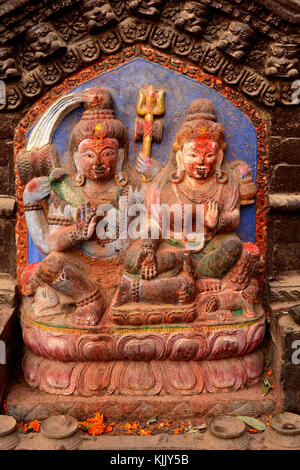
[[37, 206], [59, 220]]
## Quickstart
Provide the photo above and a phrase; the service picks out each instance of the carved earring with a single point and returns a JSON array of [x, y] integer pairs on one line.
[[122, 181], [177, 178], [221, 176], [79, 179]]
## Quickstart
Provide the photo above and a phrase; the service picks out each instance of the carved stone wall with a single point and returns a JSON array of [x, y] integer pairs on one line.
[[251, 45]]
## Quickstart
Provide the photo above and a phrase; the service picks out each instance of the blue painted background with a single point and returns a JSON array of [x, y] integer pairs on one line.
[[124, 83]]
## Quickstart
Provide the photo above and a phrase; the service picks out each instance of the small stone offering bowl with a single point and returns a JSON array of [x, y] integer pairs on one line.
[[60, 432], [9, 436], [226, 433], [284, 431]]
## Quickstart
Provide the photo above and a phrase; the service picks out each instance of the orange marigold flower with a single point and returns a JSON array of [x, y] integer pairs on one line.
[[269, 372], [134, 425], [178, 430], [96, 429], [94, 426], [33, 426], [145, 432], [253, 430]]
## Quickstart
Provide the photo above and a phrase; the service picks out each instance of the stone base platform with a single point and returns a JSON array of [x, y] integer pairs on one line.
[[25, 403]]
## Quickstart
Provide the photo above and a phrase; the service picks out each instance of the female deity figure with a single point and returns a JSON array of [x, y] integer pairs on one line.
[[219, 270], [65, 228]]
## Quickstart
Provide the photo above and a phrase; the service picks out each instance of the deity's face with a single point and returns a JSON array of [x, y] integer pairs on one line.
[[97, 158], [199, 158]]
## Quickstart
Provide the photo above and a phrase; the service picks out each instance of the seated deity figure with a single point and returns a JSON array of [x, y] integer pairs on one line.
[[65, 228], [218, 271]]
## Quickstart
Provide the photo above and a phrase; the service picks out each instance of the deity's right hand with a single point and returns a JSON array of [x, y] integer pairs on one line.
[[36, 190], [86, 221]]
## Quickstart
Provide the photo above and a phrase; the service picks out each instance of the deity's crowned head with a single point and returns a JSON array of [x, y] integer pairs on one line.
[[99, 141], [199, 144]]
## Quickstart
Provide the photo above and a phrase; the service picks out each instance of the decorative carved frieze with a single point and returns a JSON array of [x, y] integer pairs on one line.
[[69, 61], [162, 36], [183, 44], [98, 15], [193, 17], [213, 60], [44, 40], [50, 74], [89, 50], [70, 25], [132, 30], [282, 60], [197, 52], [216, 35], [148, 8], [31, 84], [8, 65], [110, 41], [236, 40]]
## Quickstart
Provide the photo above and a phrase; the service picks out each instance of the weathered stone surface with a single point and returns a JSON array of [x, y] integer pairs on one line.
[[287, 9], [284, 150], [6, 150], [285, 178], [286, 343], [284, 229], [295, 313], [285, 257], [7, 246], [163, 441], [286, 122], [8, 287], [25, 403], [7, 206], [285, 203]]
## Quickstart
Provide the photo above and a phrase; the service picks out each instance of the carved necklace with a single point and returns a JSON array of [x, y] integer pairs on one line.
[[199, 195], [103, 195]]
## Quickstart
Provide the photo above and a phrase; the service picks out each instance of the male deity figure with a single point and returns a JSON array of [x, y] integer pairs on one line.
[[176, 271], [99, 173]]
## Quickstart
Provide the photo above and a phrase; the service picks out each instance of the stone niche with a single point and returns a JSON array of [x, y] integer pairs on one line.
[[185, 103]]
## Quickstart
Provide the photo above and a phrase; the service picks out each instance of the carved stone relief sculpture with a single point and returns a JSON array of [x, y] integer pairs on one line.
[[169, 312]]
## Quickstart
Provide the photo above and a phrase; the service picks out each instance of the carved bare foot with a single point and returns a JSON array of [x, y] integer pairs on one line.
[[30, 280], [212, 305], [209, 285], [88, 315]]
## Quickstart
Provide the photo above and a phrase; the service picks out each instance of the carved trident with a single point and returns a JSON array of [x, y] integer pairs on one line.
[[150, 105]]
